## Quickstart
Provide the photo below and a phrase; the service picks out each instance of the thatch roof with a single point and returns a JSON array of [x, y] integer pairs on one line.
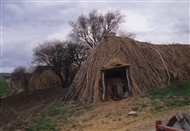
[[114, 63], [43, 77], [150, 66]]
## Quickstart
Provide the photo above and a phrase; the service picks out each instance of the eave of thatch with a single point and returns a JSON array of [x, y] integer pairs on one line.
[[114, 67], [114, 64]]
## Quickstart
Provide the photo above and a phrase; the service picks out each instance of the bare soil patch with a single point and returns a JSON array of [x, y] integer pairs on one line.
[[18, 110]]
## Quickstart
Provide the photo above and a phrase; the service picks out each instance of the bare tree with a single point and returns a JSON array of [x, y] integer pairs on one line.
[[52, 54], [124, 33], [60, 56], [30, 68], [21, 76], [77, 53], [93, 28]]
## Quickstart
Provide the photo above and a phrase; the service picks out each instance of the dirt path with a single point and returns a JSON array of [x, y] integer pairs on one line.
[[12, 89]]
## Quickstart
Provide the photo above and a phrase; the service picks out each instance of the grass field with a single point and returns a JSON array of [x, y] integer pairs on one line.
[[3, 86], [58, 115], [174, 96], [76, 115]]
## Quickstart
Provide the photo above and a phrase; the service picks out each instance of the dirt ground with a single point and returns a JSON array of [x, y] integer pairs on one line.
[[113, 116], [18, 111]]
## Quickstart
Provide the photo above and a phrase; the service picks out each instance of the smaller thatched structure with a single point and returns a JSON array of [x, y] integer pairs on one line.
[[43, 77]]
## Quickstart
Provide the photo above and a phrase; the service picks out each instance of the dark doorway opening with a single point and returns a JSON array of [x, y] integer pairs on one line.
[[116, 82]]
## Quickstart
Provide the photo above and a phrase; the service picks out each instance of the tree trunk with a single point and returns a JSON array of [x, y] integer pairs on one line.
[[62, 81], [67, 72], [58, 73]]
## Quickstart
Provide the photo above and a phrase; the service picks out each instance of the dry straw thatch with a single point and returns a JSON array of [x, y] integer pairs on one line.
[[43, 78], [147, 66]]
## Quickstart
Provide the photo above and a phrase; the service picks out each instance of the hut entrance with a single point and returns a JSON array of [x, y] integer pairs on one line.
[[115, 82]]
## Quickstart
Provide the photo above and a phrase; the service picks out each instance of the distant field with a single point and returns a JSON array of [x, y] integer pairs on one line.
[[3, 86]]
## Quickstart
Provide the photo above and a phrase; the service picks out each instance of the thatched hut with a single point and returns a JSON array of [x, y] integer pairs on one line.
[[43, 77], [121, 67]]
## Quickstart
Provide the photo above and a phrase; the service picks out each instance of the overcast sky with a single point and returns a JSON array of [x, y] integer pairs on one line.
[[27, 23]]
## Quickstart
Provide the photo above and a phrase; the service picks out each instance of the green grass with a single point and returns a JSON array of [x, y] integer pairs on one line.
[[44, 124], [62, 113], [3, 86], [174, 96]]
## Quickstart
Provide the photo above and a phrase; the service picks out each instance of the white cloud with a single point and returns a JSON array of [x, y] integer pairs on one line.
[[137, 22], [59, 33], [6, 69], [26, 24]]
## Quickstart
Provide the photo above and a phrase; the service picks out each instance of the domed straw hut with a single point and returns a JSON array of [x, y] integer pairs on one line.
[[43, 77], [121, 67]]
